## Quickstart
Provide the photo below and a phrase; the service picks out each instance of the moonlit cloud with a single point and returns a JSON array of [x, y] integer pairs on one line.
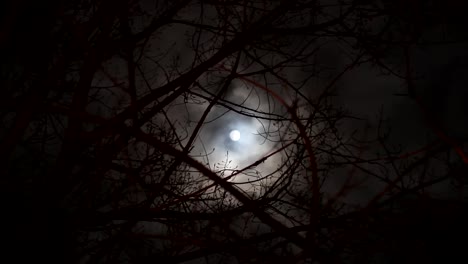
[[217, 150]]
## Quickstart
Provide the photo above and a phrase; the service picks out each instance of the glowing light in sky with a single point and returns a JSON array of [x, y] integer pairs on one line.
[[234, 135]]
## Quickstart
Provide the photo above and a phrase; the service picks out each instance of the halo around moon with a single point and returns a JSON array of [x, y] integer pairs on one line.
[[235, 135]]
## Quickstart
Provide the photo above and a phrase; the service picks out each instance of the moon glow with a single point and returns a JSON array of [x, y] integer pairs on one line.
[[234, 135]]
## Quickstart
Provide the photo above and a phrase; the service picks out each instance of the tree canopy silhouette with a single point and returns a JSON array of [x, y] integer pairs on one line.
[[116, 117]]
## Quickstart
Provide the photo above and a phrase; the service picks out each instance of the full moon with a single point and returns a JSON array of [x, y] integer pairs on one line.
[[234, 135]]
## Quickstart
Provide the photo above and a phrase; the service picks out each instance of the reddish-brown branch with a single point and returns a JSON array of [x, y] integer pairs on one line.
[[435, 127], [230, 188]]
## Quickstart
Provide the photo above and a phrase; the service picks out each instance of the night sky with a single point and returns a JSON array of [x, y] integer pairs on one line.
[[117, 119]]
